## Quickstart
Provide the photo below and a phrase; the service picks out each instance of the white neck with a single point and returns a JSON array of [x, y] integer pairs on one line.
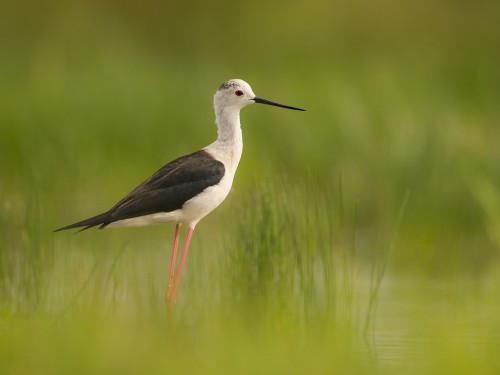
[[229, 144], [228, 125]]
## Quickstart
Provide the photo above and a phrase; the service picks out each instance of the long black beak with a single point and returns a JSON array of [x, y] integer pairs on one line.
[[268, 102]]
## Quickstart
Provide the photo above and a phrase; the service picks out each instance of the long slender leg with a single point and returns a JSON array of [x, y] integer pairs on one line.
[[181, 265], [173, 263]]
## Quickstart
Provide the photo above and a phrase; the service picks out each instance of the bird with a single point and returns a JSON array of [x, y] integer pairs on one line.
[[188, 188]]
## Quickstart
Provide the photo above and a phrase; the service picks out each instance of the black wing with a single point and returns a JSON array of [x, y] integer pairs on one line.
[[166, 190]]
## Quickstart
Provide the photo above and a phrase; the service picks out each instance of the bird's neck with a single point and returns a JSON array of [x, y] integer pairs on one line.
[[229, 144], [229, 127]]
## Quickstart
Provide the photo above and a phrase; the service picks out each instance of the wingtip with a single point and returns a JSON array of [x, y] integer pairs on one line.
[[86, 224], [73, 227], [60, 229]]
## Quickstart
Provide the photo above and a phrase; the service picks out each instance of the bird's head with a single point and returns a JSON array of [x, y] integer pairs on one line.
[[236, 94]]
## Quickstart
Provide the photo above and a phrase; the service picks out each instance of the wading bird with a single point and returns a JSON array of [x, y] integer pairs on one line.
[[185, 190]]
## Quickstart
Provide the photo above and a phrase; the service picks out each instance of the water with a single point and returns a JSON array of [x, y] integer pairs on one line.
[[421, 321]]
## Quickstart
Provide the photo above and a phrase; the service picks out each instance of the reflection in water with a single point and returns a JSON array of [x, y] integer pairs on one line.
[[418, 321]]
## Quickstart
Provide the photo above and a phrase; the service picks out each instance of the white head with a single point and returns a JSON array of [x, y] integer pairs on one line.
[[236, 94]]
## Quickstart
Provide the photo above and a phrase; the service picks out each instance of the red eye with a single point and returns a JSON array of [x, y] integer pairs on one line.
[[238, 93]]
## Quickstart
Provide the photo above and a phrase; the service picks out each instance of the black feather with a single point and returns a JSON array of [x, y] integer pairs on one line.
[[165, 191]]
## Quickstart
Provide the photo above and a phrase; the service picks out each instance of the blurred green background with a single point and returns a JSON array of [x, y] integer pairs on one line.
[[393, 172]]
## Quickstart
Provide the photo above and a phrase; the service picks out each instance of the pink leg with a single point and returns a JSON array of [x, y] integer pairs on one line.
[[172, 264], [181, 265]]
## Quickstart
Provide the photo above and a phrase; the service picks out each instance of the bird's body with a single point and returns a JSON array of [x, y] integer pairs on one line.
[[187, 189], [183, 191]]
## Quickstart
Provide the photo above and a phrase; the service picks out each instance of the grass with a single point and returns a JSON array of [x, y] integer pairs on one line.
[[279, 289], [361, 236]]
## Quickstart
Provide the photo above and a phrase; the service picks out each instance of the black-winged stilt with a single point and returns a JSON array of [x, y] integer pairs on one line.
[[188, 188]]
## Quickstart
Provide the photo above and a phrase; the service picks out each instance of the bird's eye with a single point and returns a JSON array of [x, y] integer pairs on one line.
[[238, 93]]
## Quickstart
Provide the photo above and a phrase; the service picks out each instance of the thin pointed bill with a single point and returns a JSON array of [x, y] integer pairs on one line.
[[268, 102]]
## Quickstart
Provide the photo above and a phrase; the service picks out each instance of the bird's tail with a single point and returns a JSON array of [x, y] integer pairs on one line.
[[102, 220]]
